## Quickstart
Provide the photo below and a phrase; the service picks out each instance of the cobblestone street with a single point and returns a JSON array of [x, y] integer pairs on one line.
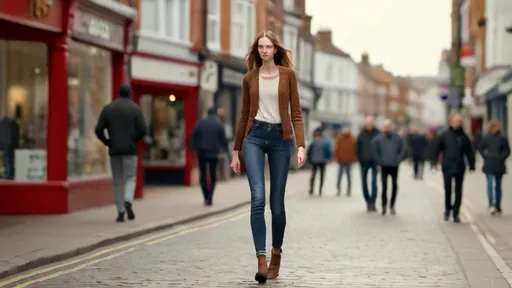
[[330, 242]]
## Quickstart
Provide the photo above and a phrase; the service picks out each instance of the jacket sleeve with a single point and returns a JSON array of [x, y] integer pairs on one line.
[[438, 147], [100, 127], [482, 147], [505, 149], [140, 126], [468, 150], [402, 152], [358, 147], [244, 116], [296, 111], [376, 150]]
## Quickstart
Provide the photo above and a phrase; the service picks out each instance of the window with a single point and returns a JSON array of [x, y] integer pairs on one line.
[[289, 5], [243, 26], [394, 107], [24, 103], [290, 41], [213, 27], [328, 72], [89, 90], [167, 19], [165, 119], [305, 60]]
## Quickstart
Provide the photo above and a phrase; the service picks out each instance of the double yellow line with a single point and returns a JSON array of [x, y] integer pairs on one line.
[[40, 275]]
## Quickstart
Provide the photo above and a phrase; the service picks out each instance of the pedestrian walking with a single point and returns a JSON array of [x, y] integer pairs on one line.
[[430, 154], [208, 141], [419, 145], [389, 150], [125, 125], [271, 112], [318, 154], [455, 146], [345, 153], [367, 163], [495, 150]]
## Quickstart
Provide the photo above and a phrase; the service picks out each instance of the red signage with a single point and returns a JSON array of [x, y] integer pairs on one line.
[[42, 14]]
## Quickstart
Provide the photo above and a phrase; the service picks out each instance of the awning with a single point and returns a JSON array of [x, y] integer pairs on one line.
[[487, 80], [499, 91]]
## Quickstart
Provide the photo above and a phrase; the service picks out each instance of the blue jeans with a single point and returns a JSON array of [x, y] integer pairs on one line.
[[344, 167], [267, 138], [494, 199], [365, 166]]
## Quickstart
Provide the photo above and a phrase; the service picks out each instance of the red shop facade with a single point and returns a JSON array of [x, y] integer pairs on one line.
[[167, 90], [62, 61]]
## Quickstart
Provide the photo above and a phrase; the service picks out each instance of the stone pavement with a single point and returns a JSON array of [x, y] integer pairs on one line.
[[30, 241], [330, 242], [498, 229]]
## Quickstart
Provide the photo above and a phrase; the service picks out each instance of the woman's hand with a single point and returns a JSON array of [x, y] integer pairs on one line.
[[235, 163], [300, 156]]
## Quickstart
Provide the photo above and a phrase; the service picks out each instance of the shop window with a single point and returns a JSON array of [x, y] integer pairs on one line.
[[166, 122], [23, 110], [224, 111], [89, 90]]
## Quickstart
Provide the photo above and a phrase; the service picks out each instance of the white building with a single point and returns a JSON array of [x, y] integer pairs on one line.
[[414, 109], [433, 108], [336, 74]]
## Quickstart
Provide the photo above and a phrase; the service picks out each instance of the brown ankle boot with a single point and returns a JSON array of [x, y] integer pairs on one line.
[[261, 275], [275, 264]]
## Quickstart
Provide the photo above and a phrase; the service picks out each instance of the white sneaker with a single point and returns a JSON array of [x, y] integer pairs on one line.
[[492, 210]]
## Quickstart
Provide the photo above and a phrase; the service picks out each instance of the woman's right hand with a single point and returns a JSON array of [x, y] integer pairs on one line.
[[235, 163]]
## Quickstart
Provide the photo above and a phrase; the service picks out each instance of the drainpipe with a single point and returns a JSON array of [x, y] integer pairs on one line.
[[132, 40]]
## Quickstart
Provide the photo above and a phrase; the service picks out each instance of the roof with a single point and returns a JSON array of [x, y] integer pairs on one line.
[[366, 70], [382, 74]]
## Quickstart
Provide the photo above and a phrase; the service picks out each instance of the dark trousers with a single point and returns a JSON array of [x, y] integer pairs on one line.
[[207, 164], [317, 167], [385, 172], [418, 165], [365, 168], [459, 179]]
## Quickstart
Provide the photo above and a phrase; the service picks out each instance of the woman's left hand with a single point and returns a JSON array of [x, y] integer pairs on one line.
[[300, 156]]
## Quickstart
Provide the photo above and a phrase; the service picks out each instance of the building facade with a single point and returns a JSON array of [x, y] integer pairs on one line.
[[336, 76], [433, 108], [73, 55], [368, 97]]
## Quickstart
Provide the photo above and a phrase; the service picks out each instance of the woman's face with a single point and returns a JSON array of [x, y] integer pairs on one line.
[[266, 49]]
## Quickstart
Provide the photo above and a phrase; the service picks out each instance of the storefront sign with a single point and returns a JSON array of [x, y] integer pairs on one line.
[[30, 165], [210, 76], [96, 30], [232, 77], [41, 14], [149, 69]]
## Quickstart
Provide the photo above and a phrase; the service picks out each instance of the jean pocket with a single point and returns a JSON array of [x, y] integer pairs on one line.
[[256, 127]]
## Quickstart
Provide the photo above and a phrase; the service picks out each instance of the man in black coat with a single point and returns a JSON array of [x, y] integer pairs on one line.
[[418, 148], [455, 145], [208, 141]]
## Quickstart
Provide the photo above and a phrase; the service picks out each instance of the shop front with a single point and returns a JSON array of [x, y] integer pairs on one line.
[[306, 94], [496, 100], [60, 63], [167, 90]]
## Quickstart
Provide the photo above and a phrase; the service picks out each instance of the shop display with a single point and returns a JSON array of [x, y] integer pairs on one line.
[[24, 105], [89, 90], [166, 130]]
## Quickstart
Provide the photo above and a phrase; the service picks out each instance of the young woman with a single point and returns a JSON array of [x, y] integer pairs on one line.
[[494, 149], [270, 114]]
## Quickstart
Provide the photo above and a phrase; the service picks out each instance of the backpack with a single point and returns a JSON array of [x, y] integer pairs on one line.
[[5, 134]]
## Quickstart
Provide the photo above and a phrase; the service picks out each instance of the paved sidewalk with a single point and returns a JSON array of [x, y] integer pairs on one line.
[[329, 242], [31, 241]]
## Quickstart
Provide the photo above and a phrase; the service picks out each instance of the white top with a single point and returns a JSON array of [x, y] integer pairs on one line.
[[268, 107]]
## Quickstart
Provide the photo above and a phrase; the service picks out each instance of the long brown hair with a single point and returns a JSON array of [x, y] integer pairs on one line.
[[494, 126], [282, 57]]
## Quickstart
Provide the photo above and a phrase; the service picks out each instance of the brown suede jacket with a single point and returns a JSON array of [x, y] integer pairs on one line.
[[288, 97]]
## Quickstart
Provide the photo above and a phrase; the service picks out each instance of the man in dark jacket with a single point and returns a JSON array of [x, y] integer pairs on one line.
[[455, 145], [419, 144], [124, 123], [389, 150], [366, 161], [208, 140]]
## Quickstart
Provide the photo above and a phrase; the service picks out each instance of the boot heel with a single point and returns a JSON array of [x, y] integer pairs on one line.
[[261, 275], [275, 264]]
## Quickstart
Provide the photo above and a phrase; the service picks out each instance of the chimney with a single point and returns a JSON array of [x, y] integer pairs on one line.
[[365, 59], [325, 35], [306, 23]]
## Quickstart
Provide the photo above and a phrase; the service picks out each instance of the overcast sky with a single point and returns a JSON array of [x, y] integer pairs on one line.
[[407, 36]]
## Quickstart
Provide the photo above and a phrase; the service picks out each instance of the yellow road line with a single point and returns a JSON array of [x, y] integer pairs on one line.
[[154, 239], [102, 252], [74, 269]]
